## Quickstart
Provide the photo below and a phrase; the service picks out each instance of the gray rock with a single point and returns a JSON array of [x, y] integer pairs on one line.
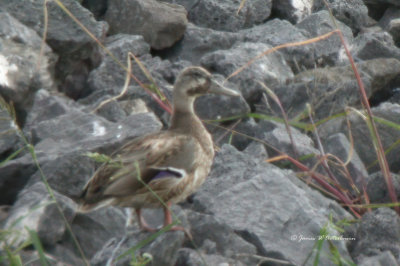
[[374, 44], [379, 231], [330, 90], [230, 167], [62, 31], [59, 254], [198, 41], [10, 139], [391, 23], [271, 69], [94, 229], [14, 175], [382, 2], [163, 249], [35, 210], [120, 44], [362, 140], [19, 58], [248, 129], [45, 106], [112, 111], [385, 258], [339, 146], [293, 11], [326, 51], [277, 32], [190, 257], [74, 46], [352, 13], [160, 24], [94, 132], [66, 174], [377, 188], [72, 133], [278, 137], [222, 15], [108, 79], [257, 150], [267, 208], [226, 242], [97, 7]]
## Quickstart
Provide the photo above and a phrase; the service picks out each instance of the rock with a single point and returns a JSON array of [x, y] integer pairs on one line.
[[120, 44], [391, 23], [326, 51], [339, 146], [58, 137], [112, 111], [379, 231], [293, 11], [248, 128], [19, 58], [277, 32], [352, 13], [74, 46], [257, 150], [385, 258], [46, 106], [66, 174], [62, 31], [100, 79], [271, 69], [94, 229], [375, 44], [94, 132], [235, 194], [362, 140], [163, 249], [222, 175], [382, 2], [14, 175], [226, 242], [278, 137], [35, 210], [62, 255], [224, 15], [331, 90], [109, 78], [10, 139], [97, 7], [198, 41], [161, 24], [189, 257], [377, 188]]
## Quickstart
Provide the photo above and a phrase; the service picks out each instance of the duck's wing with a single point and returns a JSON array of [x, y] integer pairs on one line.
[[156, 160]]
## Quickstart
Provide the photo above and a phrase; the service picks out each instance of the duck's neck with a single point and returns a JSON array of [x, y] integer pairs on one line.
[[185, 121]]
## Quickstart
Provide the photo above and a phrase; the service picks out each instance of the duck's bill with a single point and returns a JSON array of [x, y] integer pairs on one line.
[[217, 88]]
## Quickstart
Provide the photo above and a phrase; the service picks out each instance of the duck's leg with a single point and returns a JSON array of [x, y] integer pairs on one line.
[[142, 222], [168, 221]]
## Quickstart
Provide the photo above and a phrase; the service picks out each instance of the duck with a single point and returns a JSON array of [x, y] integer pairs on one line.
[[163, 168]]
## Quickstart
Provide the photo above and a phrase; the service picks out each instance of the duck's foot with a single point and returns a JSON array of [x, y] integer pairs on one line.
[[167, 221]]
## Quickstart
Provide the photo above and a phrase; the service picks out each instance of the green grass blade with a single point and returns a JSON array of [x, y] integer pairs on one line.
[[38, 246]]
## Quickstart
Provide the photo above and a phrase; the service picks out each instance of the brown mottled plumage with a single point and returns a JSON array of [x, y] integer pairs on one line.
[[173, 163]]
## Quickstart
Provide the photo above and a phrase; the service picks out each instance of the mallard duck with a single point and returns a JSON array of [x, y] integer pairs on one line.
[[171, 164]]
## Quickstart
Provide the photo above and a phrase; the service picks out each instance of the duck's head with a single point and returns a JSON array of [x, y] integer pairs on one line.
[[193, 82]]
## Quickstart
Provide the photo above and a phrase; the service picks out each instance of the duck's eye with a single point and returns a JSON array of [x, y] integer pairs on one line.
[[202, 81]]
